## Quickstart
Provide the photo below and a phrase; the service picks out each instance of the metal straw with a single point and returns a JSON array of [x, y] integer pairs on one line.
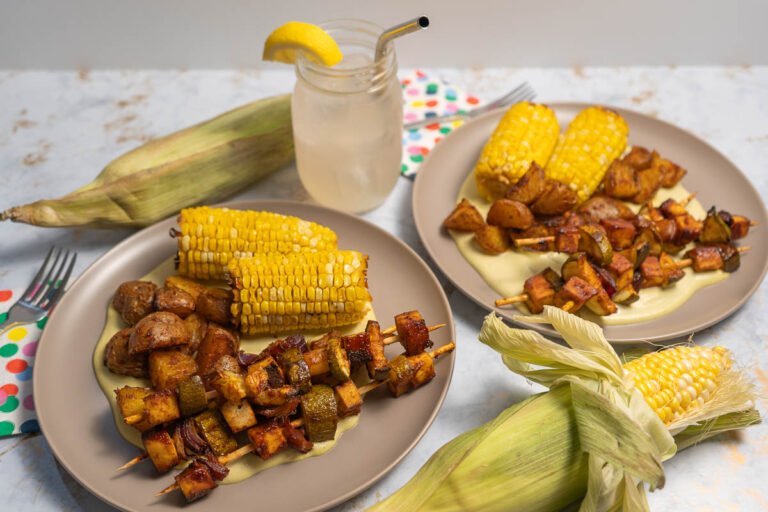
[[391, 33]]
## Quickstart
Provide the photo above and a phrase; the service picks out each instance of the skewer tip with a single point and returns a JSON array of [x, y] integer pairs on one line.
[[168, 489]]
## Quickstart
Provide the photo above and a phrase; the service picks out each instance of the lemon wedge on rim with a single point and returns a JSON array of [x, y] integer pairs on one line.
[[287, 41]]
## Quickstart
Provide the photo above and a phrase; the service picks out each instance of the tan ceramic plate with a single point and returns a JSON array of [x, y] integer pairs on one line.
[[77, 422], [715, 179]]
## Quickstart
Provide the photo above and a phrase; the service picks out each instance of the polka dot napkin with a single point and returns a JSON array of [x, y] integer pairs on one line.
[[17, 356], [424, 97]]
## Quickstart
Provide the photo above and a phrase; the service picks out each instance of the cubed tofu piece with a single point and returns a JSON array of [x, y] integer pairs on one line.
[[378, 367], [161, 407], [575, 291], [317, 361], [423, 369], [267, 439], [413, 332], [653, 274], [169, 367], [348, 399], [228, 379], [739, 226], [161, 450], [214, 304], [540, 293], [511, 214], [621, 269], [358, 348], [217, 342], [687, 229], [465, 217], [567, 239], [272, 397], [671, 208], [705, 258], [400, 374], [255, 381], [667, 230], [621, 233], [672, 273], [195, 481], [130, 401], [238, 416]]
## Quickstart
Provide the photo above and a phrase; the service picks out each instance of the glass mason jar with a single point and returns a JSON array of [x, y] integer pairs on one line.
[[348, 121]]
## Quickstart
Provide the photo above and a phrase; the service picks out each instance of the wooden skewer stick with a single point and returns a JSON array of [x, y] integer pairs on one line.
[[248, 448], [140, 457], [524, 296], [390, 337], [688, 199]]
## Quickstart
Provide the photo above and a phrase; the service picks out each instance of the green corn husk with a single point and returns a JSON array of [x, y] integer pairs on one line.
[[591, 438], [204, 163]]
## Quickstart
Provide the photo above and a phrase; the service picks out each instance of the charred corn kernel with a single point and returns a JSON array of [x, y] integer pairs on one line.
[[213, 236], [676, 380], [527, 133], [595, 138], [262, 283]]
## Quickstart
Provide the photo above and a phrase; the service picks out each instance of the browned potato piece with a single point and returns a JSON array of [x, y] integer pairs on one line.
[[464, 217], [197, 326], [670, 172], [638, 158], [492, 239], [649, 182], [169, 367], [620, 181], [556, 199], [214, 305], [161, 407], [217, 342], [158, 330], [133, 300], [595, 243], [119, 361], [529, 187], [184, 283], [601, 304], [598, 208], [508, 213], [174, 300]]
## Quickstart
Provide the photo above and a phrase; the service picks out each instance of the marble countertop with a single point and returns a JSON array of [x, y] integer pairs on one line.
[[58, 129]]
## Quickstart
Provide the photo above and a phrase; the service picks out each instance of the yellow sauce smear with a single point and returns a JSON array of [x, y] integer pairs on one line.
[[246, 466], [507, 272]]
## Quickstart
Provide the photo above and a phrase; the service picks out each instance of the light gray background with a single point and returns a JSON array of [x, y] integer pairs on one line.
[[73, 34]]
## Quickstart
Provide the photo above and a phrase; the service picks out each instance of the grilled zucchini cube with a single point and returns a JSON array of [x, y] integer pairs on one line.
[[601, 304], [400, 374], [161, 407], [238, 416], [267, 439], [169, 367], [348, 399], [161, 450], [213, 430], [195, 481], [130, 401], [378, 366]]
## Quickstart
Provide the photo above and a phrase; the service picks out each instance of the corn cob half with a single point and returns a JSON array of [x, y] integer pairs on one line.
[[527, 133], [210, 237], [595, 137], [304, 290]]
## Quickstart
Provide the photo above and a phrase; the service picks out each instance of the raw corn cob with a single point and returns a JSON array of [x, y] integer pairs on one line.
[[210, 237], [206, 162], [303, 290], [527, 133], [595, 437], [595, 138]]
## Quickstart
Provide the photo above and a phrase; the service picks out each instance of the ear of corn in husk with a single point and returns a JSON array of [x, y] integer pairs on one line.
[[593, 438], [203, 163]]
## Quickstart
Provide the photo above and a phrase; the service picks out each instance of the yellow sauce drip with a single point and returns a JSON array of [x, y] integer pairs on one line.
[[507, 272], [246, 466]]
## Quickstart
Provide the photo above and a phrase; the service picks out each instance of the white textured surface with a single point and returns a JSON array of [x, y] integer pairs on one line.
[[58, 129]]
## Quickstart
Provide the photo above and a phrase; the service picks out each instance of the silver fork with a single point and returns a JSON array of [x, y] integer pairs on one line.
[[44, 291], [523, 92]]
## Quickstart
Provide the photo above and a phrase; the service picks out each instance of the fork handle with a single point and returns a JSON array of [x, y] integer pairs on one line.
[[5, 328], [432, 120]]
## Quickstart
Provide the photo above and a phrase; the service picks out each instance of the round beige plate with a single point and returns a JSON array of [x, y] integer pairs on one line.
[[77, 422], [716, 180]]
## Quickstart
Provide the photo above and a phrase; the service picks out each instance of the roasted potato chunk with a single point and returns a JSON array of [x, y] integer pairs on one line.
[[649, 182], [620, 181], [507, 213], [158, 330], [464, 217], [161, 450], [120, 361], [186, 284], [217, 342], [556, 199], [670, 172], [161, 407], [529, 187], [597, 208], [134, 300], [174, 300], [214, 304], [638, 158], [196, 325], [169, 367], [492, 239]]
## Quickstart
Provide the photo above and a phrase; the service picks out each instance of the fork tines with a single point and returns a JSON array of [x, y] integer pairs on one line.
[[50, 281]]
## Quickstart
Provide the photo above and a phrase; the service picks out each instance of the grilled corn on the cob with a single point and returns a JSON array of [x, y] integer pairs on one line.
[[210, 237], [595, 137], [292, 292], [527, 133]]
